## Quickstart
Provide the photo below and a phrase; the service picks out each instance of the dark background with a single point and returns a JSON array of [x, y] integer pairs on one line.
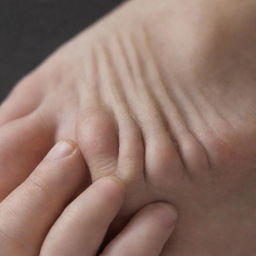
[[32, 29]]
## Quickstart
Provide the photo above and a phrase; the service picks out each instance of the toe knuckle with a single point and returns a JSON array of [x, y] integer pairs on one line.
[[96, 133], [163, 166], [99, 142], [103, 167], [36, 183], [194, 155]]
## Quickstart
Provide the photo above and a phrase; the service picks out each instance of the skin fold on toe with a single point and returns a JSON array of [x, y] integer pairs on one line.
[[164, 96]]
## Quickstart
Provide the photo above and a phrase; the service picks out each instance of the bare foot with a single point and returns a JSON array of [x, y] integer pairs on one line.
[[163, 94]]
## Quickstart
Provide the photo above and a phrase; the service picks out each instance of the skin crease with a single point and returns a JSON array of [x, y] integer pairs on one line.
[[167, 88], [46, 215]]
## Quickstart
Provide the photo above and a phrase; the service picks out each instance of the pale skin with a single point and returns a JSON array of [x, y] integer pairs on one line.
[[163, 96], [45, 215]]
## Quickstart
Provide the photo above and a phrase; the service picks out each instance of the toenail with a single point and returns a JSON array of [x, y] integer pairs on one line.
[[60, 150], [166, 213]]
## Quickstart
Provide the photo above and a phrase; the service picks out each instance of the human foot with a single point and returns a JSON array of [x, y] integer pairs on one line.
[[55, 219], [156, 95]]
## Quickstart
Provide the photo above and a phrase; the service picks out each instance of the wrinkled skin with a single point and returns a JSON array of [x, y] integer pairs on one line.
[[163, 94]]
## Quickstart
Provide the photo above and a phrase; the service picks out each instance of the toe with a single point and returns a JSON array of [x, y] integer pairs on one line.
[[44, 195], [131, 150], [164, 168], [98, 140], [23, 143], [23, 100]]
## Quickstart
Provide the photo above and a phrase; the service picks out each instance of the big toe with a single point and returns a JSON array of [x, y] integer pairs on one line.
[[23, 144], [18, 104]]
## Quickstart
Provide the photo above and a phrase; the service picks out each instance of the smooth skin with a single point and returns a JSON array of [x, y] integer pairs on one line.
[[43, 216]]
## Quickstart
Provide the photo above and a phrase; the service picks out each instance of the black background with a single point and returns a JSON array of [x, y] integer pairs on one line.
[[32, 29]]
